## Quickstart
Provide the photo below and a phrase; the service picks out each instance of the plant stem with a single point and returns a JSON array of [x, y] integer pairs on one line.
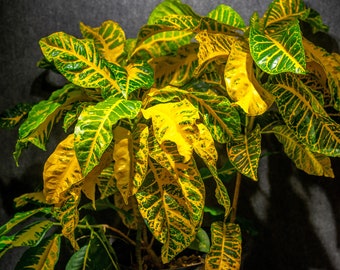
[[235, 199]]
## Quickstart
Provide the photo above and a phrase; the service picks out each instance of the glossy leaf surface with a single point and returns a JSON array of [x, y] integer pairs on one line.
[[226, 14]]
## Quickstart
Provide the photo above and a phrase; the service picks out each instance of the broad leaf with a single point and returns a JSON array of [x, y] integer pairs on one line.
[[93, 132], [176, 70], [174, 122], [42, 257], [331, 67], [225, 251], [315, 21], [201, 242], [106, 182], [311, 163], [172, 205], [79, 61], [138, 75], [222, 120], [109, 39], [278, 51], [238, 82], [244, 153], [128, 211], [303, 113], [37, 198], [61, 170], [226, 14], [11, 117], [281, 11]]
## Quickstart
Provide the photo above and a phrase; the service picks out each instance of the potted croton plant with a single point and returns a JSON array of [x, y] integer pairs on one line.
[[152, 122]]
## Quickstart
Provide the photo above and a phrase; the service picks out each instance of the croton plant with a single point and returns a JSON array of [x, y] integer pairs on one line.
[[151, 122]]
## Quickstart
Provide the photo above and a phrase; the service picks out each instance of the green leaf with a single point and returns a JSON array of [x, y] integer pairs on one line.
[[244, 153], [20, 217], [225, 251], [11, 117], [106, 182], [278, 51], [109, 39], [281, 11], [315, 21], [170, 7], [43, 116], [93, 131], [171, 202], [138, 75], [97, 254], [36, 198], [222, 120], [79, 61], [42, 257], [226, 14], [201, 242], [303, 114], [311, 163]]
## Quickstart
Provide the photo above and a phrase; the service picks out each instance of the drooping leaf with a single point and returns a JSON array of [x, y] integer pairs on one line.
[[61, 171], [20, 217], [226, 14], [174, 122], [106, 182], [278, 51], [172, 204], [222, 120], [137, 75], [315, 21], [225, 251], [201, 242], [128, 211], [238, 82], [42, 257], [303, 114], [93, 132], [244, 153], [281, 11], [176, 70], [11, 117], [79, 61], [311, 163], [109, 39], [330, 66]]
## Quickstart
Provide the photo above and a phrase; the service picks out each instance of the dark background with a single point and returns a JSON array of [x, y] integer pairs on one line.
[[295, 219]]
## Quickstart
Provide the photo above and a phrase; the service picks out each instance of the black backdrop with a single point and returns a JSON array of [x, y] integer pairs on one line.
[[296, 217]]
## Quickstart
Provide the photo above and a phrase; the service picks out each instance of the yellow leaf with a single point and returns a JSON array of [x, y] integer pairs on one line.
[[61, 170], [239, 86], [174, 122], [122, 156]]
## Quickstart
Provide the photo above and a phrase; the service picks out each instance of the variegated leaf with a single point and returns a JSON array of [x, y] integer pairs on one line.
[[93, 131], [61, 171], [238, 82], [174, 122], [106, 182], [281, 11], [278, 51], [331, 67], [34, 198], [109, 39], [170, 7], [11, 117], [44, 115], [79, 61], [212, 47], [172, 205], [20, 217], [176, 70], [179, 22], [311, 163], [42, 257], [137, 75], [128, 211], [315, 21], [226, 14], [222, 120], [225, 251], [303, 113], [244, 153]]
